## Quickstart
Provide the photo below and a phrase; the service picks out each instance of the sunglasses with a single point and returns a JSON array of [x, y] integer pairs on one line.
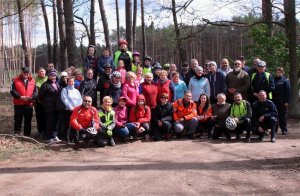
[[87, 101]]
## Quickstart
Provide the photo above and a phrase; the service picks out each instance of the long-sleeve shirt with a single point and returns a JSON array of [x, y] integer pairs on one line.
[[71, 97]]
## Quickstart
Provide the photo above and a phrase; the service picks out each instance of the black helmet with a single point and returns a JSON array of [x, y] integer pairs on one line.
[[148, 58], [107, 65], [156, 65]]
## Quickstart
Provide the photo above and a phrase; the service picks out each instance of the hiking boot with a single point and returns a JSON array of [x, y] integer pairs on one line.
[[111, 142], [273, 140], [76, 147]]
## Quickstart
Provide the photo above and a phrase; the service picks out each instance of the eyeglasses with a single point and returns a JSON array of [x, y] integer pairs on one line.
[[164, 97], [87, 101]]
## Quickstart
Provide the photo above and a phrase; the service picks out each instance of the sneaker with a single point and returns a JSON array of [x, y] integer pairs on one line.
[[273, 139], [111, 142], [56, 139], [50, 141]]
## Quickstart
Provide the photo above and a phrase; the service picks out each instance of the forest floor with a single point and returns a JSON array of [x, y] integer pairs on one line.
[[177, 167]]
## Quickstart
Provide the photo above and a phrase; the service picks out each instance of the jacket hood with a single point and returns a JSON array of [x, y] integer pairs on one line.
[[140, 97]]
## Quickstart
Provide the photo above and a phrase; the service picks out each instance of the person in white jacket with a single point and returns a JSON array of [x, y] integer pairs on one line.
[[70, 98], [199, 84]]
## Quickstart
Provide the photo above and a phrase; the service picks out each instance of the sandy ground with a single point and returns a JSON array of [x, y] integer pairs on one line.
[[178, 167]]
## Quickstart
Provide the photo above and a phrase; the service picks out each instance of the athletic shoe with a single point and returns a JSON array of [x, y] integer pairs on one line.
[[273, 139], [56, 139], [247, 140], [50, 141], [111, 142]]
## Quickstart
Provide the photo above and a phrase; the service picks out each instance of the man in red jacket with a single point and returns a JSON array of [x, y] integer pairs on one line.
[[24, 91]]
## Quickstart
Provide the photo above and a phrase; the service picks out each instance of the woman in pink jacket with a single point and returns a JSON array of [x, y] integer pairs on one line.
[[130, 89]]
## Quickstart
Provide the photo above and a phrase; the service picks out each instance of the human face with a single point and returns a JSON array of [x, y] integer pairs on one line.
[[116, 79], [52, 77], [89, 74], [261, 69], [163, 100], [121, 63], [163, 76], [25, 75], [50, 66], [105, 53], [123, 46], [203, 99], [194, 64], [212, 68], [175, 78], [237, 98], [187, 97], [148, 78], [147, 62], [108, 70], [237, 66], [199, 73], [87, 102], [136, 58], [279, 73], [221, 99], [130, 79], [107, 103], [122, 103], [91, 51], [185, 68], [224, 63], [262, 96], [139, 71], [41, 73], [173, 67], [141, 102], [71, 82]]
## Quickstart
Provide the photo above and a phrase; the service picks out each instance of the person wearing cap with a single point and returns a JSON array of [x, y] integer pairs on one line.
[[281, 96], [136, 62], [244, 66], [89, 87], [63, 80], [199, 84], [162, 119], [237, 81], [49, 95], [156, 68], [123, 54], [224, 66], [90, 62], [105, 58], [147, 68], [185, 115], [24, 91], [216, 81], [166, 67], [104, 82], [40, 115], [184, 72], [262, 80]]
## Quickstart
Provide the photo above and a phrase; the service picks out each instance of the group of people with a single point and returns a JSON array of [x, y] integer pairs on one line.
[[142, 99]]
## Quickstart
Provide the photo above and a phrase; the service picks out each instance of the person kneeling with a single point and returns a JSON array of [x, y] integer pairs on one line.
[[83, 118]]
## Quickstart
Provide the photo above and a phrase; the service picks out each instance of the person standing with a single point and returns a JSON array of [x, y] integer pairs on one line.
[[216, 81], [199, 84], [90, 62], [24, 91], [281, 96], [89, 87], [123, 54], [224, 66]]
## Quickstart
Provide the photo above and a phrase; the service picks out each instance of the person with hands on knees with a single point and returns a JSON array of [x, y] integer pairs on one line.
[[185, 115], [140, 116], [85, 121], [264, 115], [107, 120], [204, 115]]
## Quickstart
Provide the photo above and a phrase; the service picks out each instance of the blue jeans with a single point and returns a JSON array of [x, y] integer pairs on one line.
[[124, 132]]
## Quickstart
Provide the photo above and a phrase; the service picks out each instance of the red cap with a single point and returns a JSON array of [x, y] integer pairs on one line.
[[123, 41]]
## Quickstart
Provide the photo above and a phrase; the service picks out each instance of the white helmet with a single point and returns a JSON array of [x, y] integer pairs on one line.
[[92, 131], [230, 123]]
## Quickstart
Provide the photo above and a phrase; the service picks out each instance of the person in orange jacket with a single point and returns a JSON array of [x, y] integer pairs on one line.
[[204, 115], [185, 115], [140, 116], [83, 117]]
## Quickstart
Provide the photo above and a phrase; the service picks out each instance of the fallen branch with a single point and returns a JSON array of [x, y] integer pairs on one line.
[[22, 137]]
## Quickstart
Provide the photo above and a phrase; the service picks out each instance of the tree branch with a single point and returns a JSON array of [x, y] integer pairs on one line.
[[24, 8]]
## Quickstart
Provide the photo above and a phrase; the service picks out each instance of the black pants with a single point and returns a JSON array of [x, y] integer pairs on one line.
[[282, 113], [20, 111], [64, 125], [208, 124], [269, 123], [218, 130], [51, 124], [158, 131], [245, 125], [40, 118]]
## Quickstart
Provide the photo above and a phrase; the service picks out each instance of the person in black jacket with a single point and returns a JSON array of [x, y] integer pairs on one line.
[[49, 95], [104, 82], [281, 96], [162, 118], [88, 87], [264, 115]]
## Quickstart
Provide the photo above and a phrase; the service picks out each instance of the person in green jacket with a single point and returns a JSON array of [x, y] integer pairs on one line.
[[123, 54]]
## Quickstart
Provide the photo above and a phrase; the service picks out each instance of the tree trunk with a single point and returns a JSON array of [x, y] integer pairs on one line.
[[49, 47], [177, 32], [105, 24], [128, 10], [23, 36], [290, 21], [134, 23], [62, 35], [70, 32], [54, 33], [143, 29], [92, 24], [118, 20]]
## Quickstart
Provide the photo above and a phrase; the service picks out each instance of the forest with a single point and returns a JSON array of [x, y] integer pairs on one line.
[[36, 32]]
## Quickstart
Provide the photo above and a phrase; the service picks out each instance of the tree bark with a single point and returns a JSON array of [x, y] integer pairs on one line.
[[128, 10], [70, 32], [23, 36], [62, 35], [105, 24], [177, 32], [267, 15], [49, 47], [290, 21], [54, 33], [118, 20], [134, 23], [92, 24], [143, 29]]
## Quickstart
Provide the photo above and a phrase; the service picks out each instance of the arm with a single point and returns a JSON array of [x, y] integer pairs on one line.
[[271, 83], [287, 88], [64, 98], [172, 89], [207, 87], [249, 110], [272, 112], [192, 114], [147, 116], [14, 92], [175, 116], [73, 120], [140, 89], [208, 114], [132, 117], [35, 92], [185, 89], [95, 118]]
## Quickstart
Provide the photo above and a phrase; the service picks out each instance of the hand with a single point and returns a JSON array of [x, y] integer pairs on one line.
[[137, 124], [261, 119], [200, 117], [255, 94], [181, 119], [159, 123], [214, 117], [82, 129], [236, 120], [260, 129], [286, 105]]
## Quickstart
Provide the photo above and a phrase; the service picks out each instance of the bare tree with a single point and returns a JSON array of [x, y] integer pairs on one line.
[[118, 19], [92, 23], [70, 32], [128, 10], [54, 33], [62, 35], [134, 23], [49, 47], [105, 24], [143, 29], [23, 36]]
